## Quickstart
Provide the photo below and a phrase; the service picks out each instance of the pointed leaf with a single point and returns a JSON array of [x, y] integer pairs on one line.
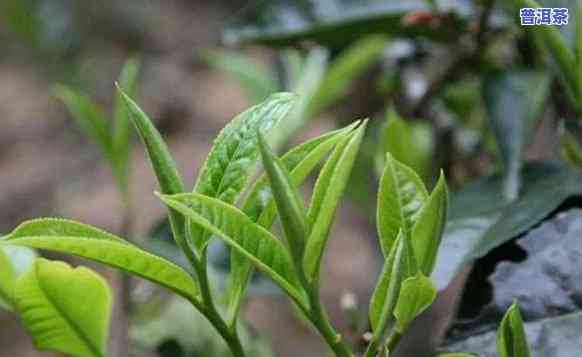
[[329, 188], [163, 164], [121, 134], [65, 309], [88, 242], [417, 293], [511, 338], [428, 230], [260, 206], [89, 117], [400, 199], [387, 289], [289, 205], [241, 234], [235, 153]]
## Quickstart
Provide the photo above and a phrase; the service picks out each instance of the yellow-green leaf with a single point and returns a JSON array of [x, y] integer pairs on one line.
[[78, 239], [417, 293], [65, 309]]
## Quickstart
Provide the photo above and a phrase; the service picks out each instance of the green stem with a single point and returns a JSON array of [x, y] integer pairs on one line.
[[321, 322], [209, 310]]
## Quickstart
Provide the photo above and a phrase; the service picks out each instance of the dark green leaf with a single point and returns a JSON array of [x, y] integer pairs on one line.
[[480, 220], [64, 309], [513, 100], [338, 22], [88, 242], [328, 190]]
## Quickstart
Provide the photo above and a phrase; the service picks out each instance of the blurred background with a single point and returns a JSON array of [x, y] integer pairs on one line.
[[453, 84]]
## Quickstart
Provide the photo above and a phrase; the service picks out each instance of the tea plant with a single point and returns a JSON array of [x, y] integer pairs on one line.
[[410, 224]]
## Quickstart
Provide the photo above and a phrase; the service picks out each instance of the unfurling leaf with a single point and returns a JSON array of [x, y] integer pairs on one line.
[[289, 204], [400, 199], [241, 234], [387, 289], [65, 309], [260, 206], [78, 239], [511, 338], [234, 154], [329, 188], [428, 229], [417, 293]]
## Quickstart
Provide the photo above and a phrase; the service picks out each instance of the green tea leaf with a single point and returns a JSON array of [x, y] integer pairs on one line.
[[428, 229], [254, 78], [511, 338], [121, 134], [89, 117], [400, 199], [163, 164], [260, 206], [65, 309], [329, 188], [241, 234], [350, 64], [289, 203], [396, 137], [78, 239], [234, 153], [387, 290], [417, 293]]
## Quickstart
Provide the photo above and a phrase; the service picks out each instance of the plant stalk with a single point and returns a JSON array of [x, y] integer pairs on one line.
[[209, 310]]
